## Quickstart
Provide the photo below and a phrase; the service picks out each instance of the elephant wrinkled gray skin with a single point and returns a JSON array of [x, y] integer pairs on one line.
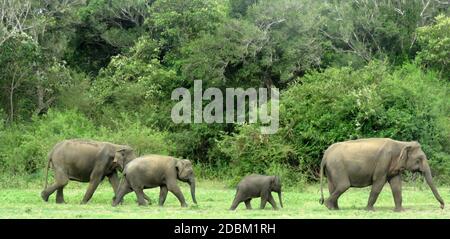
[[373, 161], [85, 161], [254, 186], [156, 171]]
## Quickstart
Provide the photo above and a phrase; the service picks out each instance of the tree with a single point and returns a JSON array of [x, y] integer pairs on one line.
[[14, 16], [435, 43], [273, 44], [174, 23], [105, 28], [18, 58], [375, 29]]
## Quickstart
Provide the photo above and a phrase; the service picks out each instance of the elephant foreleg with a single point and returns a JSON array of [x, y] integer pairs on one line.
[[177, 192], [264, 198], [93, 184], [272, 202], [377, 186], [396, 187], [162, 195], [248, 205], [114, 181]]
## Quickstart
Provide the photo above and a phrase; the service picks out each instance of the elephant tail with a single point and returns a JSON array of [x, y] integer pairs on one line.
[[46, 170], [322, 166]]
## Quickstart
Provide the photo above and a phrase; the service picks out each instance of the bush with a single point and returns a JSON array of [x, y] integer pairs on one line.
[[251, 152], [435, 42], [25, 146], [342, 104]]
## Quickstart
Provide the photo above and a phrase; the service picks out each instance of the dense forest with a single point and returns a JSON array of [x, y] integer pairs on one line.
[[105, 70]]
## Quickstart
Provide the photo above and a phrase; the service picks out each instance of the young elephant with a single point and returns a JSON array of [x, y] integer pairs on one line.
[[254, 186], [85, 161], [374, 161], [156, 171]]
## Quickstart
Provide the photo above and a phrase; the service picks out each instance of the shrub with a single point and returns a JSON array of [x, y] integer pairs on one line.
[[342, 104], [25, 146]]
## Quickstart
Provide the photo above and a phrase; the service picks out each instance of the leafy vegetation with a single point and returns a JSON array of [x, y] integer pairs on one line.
[[105, 70]]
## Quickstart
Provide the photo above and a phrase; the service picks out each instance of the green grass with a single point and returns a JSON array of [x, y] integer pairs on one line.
[[214, 200]]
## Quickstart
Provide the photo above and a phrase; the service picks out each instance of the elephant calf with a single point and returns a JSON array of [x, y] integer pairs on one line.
[[373, 161], [254, 186], [156, 171], [85, 161]]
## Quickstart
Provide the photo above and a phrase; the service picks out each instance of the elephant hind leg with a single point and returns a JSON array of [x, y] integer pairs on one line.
[[331, 186], [60, 195], [140, 196], [331, 189], [237, 200], [61, 180], [147, 199], [340, 187], [123, 189]]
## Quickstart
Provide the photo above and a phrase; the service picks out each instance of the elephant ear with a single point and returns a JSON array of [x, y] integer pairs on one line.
[[179, 165], [106, 153], [273, 181], [399, 163], [119, 157]]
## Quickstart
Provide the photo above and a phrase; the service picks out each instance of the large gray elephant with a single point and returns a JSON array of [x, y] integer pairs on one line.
[[85, 161], [156, 171], [254, 186], [373, 161]]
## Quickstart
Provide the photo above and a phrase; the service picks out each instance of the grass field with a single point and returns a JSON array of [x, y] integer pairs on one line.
[[214, 200]]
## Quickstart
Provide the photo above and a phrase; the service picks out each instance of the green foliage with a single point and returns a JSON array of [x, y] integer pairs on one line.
[[250, 152], [238, 8], [19, 58], [435, 42], [25, 147], [376, 29], [275, 42], [105, 69], [342, 104], [173, 23], [136, 83], [106, 28]]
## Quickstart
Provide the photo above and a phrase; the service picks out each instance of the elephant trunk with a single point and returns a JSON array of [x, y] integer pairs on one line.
[[279, 197], [192, 184], [427, 174]]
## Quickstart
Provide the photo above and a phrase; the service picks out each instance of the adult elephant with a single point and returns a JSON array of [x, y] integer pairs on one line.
[[85, 161], [373, 161], [156, 171]]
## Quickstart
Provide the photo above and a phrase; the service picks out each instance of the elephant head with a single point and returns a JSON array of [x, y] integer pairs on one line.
[[276, 187], [185, 173], [123, 156], [412, 158]]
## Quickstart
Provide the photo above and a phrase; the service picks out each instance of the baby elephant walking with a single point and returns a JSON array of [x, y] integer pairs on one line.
[[254, 186]]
